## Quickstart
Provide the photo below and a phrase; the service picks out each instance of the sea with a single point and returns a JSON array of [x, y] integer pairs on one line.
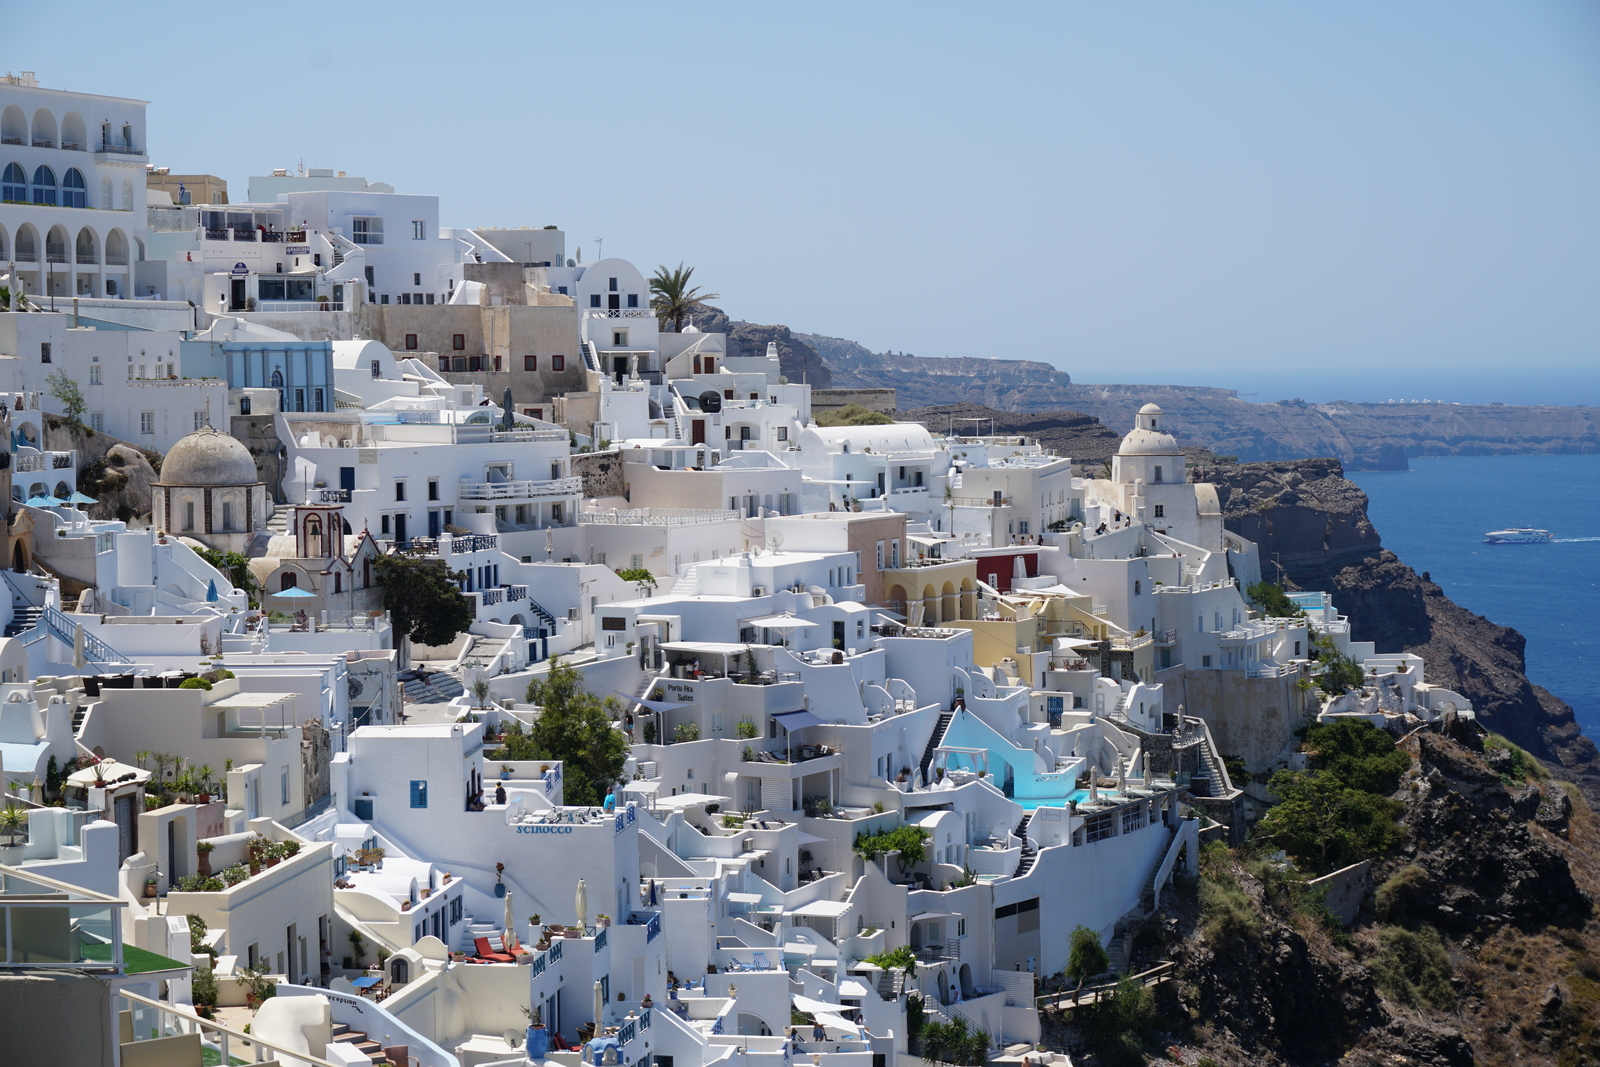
[[1434, 517]]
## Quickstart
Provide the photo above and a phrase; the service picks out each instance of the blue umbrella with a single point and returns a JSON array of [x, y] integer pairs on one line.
[[45, 502], [294, 591], [211, 591], [79, 498]]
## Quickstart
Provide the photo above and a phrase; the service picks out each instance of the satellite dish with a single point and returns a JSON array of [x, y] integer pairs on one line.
[[775, 540], [711, 401]]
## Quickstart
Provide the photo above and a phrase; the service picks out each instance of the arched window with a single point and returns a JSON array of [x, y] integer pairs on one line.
[[338, 582], [44, 186], [1137, 587], [73, 192], [127, 195], [290, 580], [27, 245], [15, 186], [86, 249], [106, 203], [116, 249]]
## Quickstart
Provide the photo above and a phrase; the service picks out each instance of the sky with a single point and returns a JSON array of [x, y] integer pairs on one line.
[[1358, 200]]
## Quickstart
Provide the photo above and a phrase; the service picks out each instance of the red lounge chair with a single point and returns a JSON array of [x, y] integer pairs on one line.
[[487, 953]]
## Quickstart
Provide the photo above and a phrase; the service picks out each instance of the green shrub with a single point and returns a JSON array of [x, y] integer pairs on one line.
[[902, 958], [1361, 755], [745, 728], [732, 822], [1120, 1023], [686, 731], [910, 841], [1412, 967], [1326, 825], [1338, 672], [203, 991], [1086, 957], [195, 683], [1401, 897], [1273, 601]]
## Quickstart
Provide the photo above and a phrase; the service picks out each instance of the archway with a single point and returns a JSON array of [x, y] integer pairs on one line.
[[27, 244], [965, 978], [897, 600], [944, 988], [55, 244], [930, 606], [44, 129], [969, 606], [117, 249], [19, 558], [73, 134], [87, 251], [62, 491], [951, 606], [13, 126]]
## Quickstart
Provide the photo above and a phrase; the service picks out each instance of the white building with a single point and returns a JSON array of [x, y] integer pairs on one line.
[[72, 178]]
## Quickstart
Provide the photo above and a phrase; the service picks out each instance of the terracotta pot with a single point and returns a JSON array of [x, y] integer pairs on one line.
[[149, 889], [202, 864]]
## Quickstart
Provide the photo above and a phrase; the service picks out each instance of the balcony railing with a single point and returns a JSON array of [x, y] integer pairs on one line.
[[980, 501], [55, 257], [116, 261], [244, 235], [39, 143], [72, 146], [87, 257], [489, 597], [1131, 641], [118, 149], [1166, 638], [213, 234], [519, 490], [657, 517], [27, 255]]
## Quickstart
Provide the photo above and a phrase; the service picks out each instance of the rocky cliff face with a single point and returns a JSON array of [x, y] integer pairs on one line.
[[1507, 874], [1009, 384], [1313, 531]]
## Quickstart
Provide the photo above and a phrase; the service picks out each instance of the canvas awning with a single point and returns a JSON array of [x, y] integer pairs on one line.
[[834, 1022], [796, 720], [811, 1007], [921, 915], [744, 898]]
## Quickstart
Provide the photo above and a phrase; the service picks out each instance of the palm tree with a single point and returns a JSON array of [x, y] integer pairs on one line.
[[672, 298]]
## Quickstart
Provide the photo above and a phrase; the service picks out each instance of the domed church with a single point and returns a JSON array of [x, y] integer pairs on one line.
[[208, 489], [1150, 481]]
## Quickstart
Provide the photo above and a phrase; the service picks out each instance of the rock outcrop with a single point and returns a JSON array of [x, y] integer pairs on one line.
[[1312, 528]]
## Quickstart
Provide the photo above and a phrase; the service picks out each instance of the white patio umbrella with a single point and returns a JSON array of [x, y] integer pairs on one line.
[[511, 931], [599, 1008], [79, 659], [580, 903]]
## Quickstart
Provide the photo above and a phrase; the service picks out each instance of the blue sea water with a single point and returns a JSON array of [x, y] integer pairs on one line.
[[1434, 517]]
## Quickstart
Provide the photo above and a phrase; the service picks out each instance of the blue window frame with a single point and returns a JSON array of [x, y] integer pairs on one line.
[[44, 186], [15, 186], [73, 192], [419, 793]]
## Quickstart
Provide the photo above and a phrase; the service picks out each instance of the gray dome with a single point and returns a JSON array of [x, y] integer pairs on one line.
[[1148, 443], [208, 457]]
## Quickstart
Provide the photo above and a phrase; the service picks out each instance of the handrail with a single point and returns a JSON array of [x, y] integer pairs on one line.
[[227, 1032], [93, 647], [1071, 998]]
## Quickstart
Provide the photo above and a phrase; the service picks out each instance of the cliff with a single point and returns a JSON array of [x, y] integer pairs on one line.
[[918, 381], [1311, 525], [1488, 958]]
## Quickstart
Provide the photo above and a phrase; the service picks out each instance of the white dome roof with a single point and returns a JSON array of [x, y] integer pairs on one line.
[[1150, 409], [208, 457], [1148, 443]]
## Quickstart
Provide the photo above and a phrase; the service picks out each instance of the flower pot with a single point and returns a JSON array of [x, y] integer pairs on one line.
[[505, 776], [602, 920], [538, 1043], [202, 864], [499, 889], [203, 798], [149, 890]]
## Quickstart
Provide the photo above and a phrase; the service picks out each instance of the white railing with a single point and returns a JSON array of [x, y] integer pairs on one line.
[[658, 517], [183, 1022], [519, 490]]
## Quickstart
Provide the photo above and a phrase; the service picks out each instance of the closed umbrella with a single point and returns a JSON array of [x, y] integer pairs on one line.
[[507, 421], [581, 903], [211, 591], [652, 892], [599, 1008], [510, 930], [1019, 569], [79, 659]]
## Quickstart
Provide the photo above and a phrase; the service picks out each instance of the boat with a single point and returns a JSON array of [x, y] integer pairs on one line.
[[1517, 537]]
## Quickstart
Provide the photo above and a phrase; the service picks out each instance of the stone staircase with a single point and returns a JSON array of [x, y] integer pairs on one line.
[[440, 688], [358, 1040], [24, 617], [1147, 895], [277, 523], [1210, 764], [934, 741], [1029, 853], [891, 983], [1117, 951]]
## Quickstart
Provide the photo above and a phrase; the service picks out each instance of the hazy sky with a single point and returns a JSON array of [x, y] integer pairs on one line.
[[1206, 193]]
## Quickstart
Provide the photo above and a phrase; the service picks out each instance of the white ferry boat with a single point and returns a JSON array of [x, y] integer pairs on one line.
[[1517, 537]]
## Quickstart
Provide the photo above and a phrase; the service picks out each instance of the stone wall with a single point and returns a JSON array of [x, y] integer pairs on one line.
[[1254, 718], [1347, 888], [601, 473]]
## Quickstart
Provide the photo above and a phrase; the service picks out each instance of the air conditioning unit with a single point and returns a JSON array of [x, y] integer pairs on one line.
[[759, 590]]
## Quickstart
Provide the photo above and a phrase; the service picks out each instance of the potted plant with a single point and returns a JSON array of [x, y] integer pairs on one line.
[[505, 772], [150, 887], [499, 885], [602, 920], [202, 776], [203, 850]]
